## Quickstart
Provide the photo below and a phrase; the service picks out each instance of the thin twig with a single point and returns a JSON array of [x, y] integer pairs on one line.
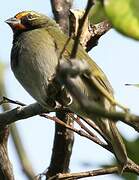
[[80, 132], [62, 51], [77, 120], [7, 100], [79, 32], [85, 174], [90, 108], [131, 167], [97, 129], [81, 124]]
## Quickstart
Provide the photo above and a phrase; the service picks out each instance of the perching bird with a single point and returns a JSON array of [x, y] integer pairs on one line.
[[37, 44]]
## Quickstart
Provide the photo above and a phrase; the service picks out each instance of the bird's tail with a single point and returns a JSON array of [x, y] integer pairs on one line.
[[112, 135], [118, 145]]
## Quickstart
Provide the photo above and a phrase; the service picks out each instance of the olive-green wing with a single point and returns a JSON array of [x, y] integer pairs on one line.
[[60, 39]]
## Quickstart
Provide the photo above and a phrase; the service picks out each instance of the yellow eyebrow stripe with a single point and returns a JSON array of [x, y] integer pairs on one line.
[[25, 13], [21, 14]]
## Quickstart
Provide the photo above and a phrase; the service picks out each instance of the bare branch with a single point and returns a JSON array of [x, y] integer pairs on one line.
[[6, 170], [60, 10], [80, 132], [36, 109], [79, 32], [131, 167], [20, 113], [96, 31], [63, 138], [22, 154], [85, 174], [95, 138], [7, 100], [90, 32]]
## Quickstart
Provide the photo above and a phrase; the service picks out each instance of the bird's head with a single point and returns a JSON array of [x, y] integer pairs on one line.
[[28, 20]]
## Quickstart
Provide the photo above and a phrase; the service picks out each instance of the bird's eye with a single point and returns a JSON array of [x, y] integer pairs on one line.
[[30, 17]]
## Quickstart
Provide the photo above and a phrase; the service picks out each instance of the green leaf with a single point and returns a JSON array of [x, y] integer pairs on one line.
[[132, 150], [132, 147], [124, 16]]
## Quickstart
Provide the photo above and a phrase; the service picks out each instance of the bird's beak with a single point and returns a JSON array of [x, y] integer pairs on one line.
[[15, 24], [13, 21]]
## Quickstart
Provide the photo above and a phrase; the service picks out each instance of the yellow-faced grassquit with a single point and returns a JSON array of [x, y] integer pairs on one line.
[[37, 44]]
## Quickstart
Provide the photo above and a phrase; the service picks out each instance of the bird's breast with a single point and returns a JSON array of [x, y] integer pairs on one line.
[[33, 61]]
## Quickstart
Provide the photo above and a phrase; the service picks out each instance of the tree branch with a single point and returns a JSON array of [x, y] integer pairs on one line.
[[79, 132], [90, 3], [34, 109], [6, 170], [63, 138], [131, 167], [21, 153], [90, 32], [20, 113], [60, 9]]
